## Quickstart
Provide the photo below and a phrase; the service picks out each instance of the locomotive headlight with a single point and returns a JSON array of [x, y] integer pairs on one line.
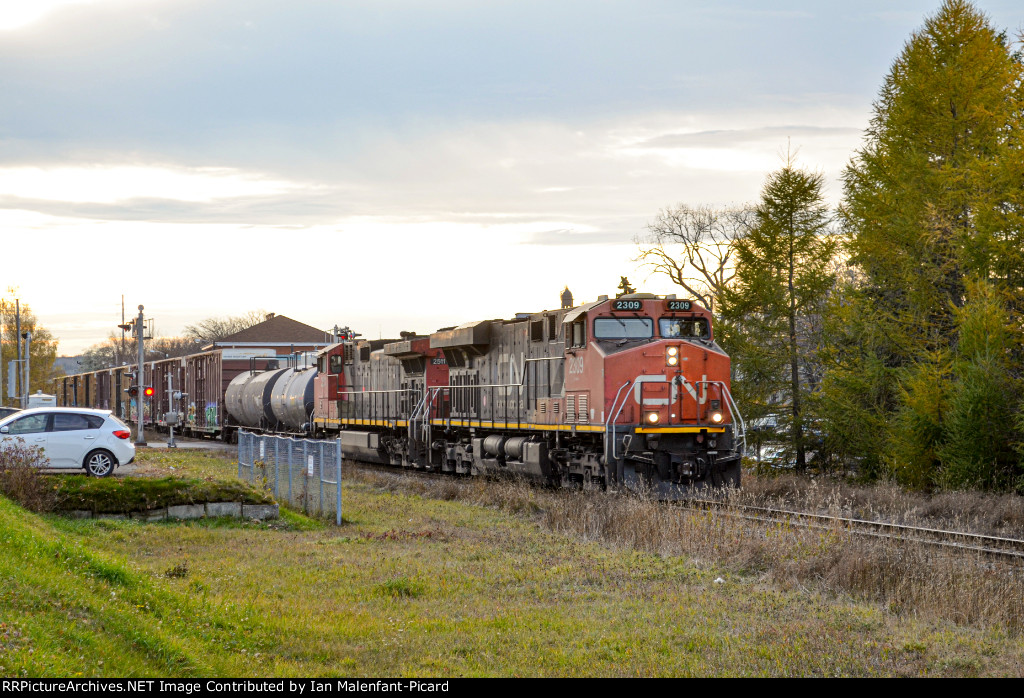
[[652, 417], [717, 417], [672, 356]]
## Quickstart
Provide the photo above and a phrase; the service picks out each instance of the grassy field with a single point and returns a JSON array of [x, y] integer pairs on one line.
[[450, 579]]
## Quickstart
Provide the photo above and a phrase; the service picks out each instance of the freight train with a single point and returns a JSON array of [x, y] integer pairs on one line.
[[631, 392]]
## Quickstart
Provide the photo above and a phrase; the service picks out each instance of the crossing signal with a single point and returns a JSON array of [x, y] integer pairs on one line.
[[148, 391], [132, 391]]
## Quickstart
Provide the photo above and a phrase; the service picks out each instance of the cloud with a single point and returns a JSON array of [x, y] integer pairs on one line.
[[106, 184], [738, 137]]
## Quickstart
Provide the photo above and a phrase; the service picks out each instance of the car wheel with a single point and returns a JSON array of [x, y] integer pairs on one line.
[[99, 464]]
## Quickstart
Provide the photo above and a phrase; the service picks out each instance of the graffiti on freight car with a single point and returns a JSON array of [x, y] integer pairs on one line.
[[211, 414]]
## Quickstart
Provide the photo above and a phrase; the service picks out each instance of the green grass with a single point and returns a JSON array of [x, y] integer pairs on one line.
[[415, 586], [127, 494], [68, 610]]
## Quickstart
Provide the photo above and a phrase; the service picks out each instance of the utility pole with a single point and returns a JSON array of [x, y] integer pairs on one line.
[[121, 352], [25, 388], [140, 328], [17, 341]]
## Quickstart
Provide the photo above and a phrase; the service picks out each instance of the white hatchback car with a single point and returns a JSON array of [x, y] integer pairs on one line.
[[72, 437]]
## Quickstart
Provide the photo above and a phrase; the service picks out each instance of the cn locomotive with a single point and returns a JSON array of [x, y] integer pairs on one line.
[[631, 391]]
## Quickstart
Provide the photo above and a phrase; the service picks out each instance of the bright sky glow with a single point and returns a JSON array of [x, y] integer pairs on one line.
[[15, 14], [401, 165]]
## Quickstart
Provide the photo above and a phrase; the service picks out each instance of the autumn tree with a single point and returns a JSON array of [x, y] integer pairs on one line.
[[783, 272], [933, 206], [42, 348]]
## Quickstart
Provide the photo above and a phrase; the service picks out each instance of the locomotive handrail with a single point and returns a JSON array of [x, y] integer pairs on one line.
[[361, 406], [421, 409], [733, 408], [521, 384], [612, 419]]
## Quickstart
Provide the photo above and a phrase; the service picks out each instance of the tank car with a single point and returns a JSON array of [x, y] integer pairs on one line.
[[277, 399], [626, 392]]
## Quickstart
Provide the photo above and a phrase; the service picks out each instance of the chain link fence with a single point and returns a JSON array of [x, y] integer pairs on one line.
[[306, 473]]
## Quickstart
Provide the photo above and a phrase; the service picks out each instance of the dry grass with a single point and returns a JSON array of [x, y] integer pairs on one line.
[[906, 578], [977, 512]]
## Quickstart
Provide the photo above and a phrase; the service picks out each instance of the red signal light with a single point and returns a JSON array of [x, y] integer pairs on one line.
[[148, 392]]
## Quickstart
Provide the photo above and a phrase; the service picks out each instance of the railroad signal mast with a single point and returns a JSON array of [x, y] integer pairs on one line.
[[140, 331]]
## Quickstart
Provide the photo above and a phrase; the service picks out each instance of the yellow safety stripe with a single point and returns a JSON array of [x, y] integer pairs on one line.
[[679, 430], [514, 425], [365, 422]]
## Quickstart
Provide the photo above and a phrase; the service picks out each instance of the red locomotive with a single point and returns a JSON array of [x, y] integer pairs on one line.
[[629, 391]]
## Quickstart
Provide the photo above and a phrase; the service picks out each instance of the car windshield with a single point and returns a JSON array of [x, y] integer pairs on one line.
[[623, 328], [684, 328]]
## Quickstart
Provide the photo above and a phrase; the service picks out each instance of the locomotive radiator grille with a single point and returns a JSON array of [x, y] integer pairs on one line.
[[570, 409], [584, 414]]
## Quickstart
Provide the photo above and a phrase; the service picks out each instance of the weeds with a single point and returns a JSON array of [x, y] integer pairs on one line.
[[908, 578], [21, 480], [401, 587]]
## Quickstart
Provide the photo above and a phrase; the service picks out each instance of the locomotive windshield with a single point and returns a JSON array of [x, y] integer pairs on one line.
[[623, 328], [696, 328]]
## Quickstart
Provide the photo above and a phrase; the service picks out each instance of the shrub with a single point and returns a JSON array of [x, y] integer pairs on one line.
[[21, 479]]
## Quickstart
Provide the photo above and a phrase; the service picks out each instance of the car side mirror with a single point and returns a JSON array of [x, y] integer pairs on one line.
[[5, 430]]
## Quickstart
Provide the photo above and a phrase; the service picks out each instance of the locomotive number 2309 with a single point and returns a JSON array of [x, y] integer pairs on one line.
[[627, 305]]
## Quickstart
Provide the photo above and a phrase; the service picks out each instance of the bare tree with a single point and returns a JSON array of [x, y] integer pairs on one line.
[[693, 247], [214, 328], [111, 352], [104, 354], [170, 347]]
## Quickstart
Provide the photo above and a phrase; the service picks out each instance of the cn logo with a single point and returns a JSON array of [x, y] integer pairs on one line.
[[700, 397]]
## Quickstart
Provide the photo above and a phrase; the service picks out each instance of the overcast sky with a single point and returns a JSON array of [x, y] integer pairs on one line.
[[393, 165]]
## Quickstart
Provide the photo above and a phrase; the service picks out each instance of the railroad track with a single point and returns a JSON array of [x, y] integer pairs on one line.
[[958, 541], [995, 546]]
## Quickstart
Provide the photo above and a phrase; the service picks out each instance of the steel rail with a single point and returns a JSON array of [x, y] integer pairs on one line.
[[962, 540]]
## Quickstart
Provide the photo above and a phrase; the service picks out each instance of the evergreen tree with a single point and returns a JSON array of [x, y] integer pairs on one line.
[[782, 275], [980, 431], [933, 200], [920, 205]]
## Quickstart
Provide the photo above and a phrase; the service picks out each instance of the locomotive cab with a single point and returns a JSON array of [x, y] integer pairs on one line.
[[649, 370]]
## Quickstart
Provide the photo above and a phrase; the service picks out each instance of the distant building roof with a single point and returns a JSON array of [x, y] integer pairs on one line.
[[277, 329]]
